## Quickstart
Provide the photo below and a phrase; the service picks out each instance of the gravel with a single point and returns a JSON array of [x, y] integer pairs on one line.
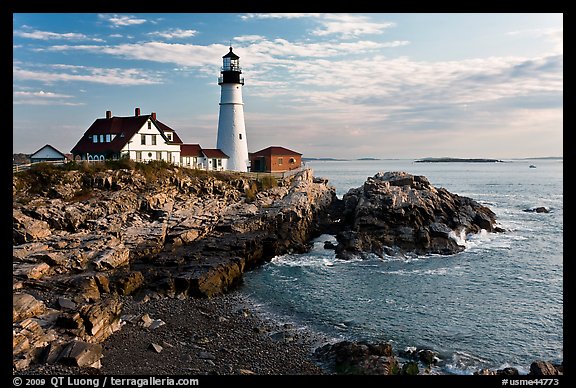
[[200, 336]]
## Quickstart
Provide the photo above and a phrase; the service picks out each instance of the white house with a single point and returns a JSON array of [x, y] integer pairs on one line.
[[142, 138], [194, 156], [47, 154]]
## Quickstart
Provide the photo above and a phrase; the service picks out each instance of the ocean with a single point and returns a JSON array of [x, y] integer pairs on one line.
[[497, 304]]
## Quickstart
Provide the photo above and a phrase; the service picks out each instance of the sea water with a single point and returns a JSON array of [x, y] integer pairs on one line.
[[499, 303]]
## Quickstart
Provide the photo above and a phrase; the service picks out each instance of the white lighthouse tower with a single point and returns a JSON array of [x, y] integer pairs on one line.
[[231, 128]]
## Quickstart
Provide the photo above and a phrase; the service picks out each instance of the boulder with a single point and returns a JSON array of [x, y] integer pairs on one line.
[[399, 211], [359, 358]]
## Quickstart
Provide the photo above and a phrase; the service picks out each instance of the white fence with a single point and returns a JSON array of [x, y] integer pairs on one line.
[[23, 167]]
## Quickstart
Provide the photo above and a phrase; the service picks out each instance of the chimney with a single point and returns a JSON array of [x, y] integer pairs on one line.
[[108, 114], [137, 112], [154, 116]]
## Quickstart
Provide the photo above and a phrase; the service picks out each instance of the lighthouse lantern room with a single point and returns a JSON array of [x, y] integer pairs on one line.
[[231, 128]]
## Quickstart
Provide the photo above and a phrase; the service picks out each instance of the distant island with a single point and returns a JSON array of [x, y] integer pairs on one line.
[[325, 159], [473, 160]]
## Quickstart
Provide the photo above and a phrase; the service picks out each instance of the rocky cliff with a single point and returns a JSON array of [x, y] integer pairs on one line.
[[82, 239], [399, 213]]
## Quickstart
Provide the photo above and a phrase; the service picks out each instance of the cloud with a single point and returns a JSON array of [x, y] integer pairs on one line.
[[174, 33], [47, 35], [555, 35], [341, 74], [117, 21], [343, 25], [279, 15], [43, 98], [350, 26], [249, 38], [67, 73]]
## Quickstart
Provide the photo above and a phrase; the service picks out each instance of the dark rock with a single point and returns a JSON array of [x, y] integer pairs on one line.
[[508, 371], [540, 209], [427, 356], [359, 358], [410, 368], [398, 210], [66, 304], [543, 368], [329, 245]]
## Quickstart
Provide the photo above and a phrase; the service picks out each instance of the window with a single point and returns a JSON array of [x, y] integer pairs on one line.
[[138, 156], [158, 155], [292, 161], [169, 157], [153, 139], [280, 161], [149, 124], [101, 138], [143, 139], [169, 136], [150, 154], [107, 138], [102, 157], [219, 162], [240, 136], [95, 139], [188, 161]]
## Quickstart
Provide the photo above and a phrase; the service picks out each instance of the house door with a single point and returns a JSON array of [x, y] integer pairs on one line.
[[214, 164], [259, 165]]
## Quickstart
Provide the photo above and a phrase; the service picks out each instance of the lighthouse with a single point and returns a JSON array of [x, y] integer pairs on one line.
[[231, 129]]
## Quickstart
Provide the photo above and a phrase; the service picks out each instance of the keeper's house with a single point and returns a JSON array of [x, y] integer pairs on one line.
[[140, 137], [143, 138]]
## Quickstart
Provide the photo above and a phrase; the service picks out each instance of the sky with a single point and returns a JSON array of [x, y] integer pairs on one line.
[[381, 85]]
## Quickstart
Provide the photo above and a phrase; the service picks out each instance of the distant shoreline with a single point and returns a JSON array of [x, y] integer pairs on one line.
[[433, 160], [450, 160]]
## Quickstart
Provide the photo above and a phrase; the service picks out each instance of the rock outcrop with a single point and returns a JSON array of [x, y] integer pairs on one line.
[[81, 240], [396, 212]]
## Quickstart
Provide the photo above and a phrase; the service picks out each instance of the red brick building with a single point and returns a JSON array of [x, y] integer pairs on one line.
[[275, 159]]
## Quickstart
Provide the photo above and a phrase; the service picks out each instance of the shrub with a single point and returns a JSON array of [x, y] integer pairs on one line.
[[251, 192], [120, 164], [267, 182]]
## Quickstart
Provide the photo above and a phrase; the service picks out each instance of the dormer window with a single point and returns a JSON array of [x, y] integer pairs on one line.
[[169, 136]]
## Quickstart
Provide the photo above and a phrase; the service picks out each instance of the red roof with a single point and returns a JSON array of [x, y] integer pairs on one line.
[[123, 127], [215, 153], [274, 150], [163, 127], [193, 150]]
